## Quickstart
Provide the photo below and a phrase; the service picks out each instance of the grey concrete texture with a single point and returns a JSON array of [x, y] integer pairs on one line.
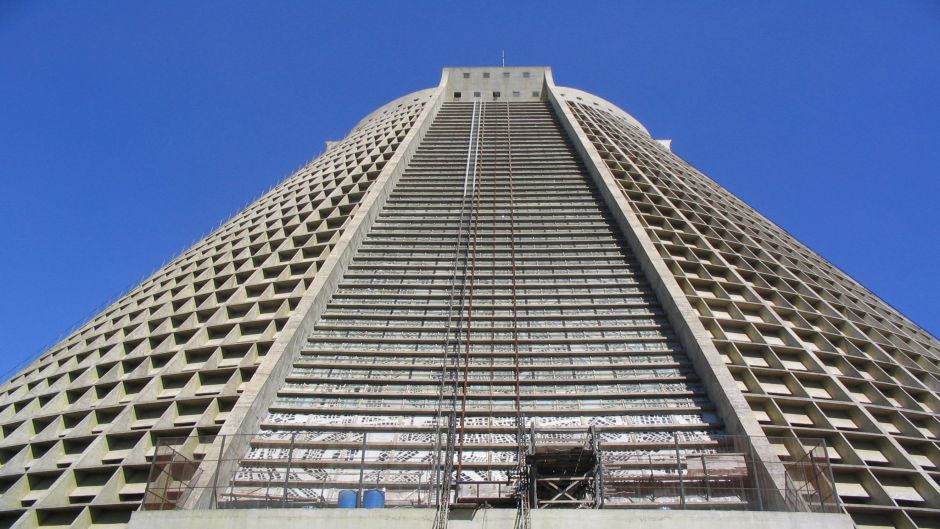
[[484, 519]]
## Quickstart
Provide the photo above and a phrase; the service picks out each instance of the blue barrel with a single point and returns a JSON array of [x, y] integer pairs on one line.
[[373, 499], [348, 499]]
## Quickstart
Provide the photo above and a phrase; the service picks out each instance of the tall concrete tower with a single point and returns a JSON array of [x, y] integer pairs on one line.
[[495, 302]]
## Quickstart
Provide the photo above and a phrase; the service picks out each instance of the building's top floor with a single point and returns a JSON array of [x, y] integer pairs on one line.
[[502, 84], [494, 83]]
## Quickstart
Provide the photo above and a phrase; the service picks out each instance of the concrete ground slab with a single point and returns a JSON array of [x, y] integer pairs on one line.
[[482, 519]]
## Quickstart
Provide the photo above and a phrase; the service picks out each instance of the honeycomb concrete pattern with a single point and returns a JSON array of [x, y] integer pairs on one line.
[[815, 354], [172, 357]]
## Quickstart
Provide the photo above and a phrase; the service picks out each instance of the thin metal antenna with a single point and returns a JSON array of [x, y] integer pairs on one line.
[[504, 58]]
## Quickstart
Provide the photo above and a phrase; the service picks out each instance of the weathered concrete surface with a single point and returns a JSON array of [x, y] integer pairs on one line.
[[482, 519]]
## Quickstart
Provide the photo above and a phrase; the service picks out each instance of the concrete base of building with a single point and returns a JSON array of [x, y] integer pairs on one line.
[[483, 519]]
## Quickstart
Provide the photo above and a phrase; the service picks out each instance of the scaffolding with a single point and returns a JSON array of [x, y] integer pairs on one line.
[[563, 468]]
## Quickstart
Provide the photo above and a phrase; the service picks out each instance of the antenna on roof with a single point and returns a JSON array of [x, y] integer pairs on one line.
[[504, 58]]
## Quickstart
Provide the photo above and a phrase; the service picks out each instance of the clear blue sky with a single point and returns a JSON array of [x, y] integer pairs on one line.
[[129, 129]]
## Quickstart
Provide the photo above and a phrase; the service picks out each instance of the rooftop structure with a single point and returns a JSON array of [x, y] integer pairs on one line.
[[496, 293]]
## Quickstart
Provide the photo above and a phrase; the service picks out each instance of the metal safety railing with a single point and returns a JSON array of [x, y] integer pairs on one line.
[[562, 468]]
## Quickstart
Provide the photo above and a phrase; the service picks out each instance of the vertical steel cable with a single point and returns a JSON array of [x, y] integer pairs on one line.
[[475, 216], [522, 518], [463, 336], [446, 467], [445, 364]]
